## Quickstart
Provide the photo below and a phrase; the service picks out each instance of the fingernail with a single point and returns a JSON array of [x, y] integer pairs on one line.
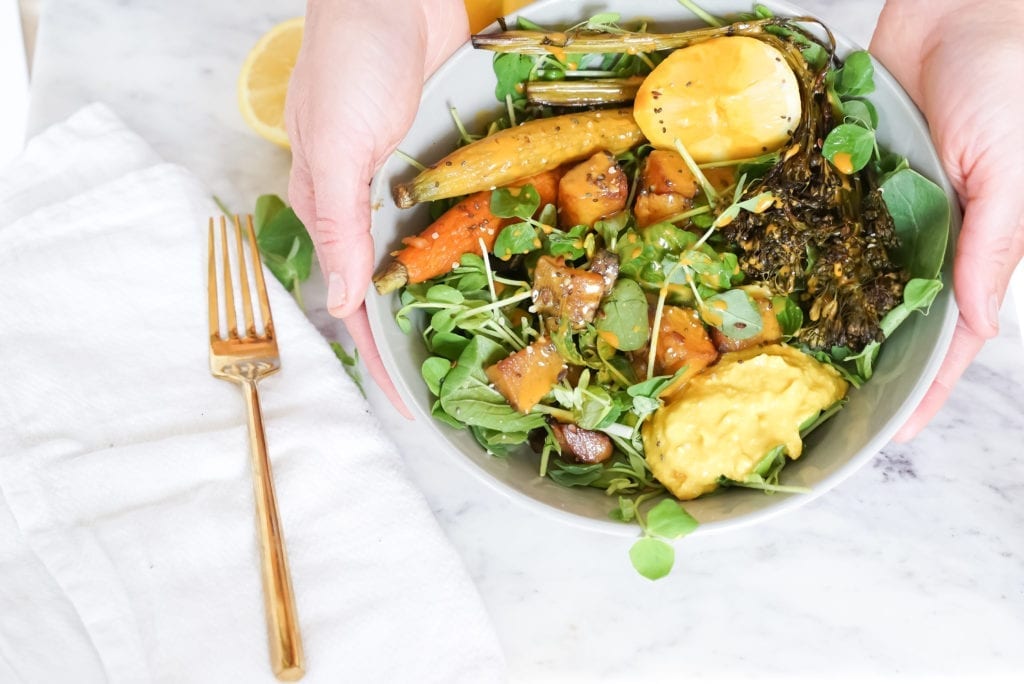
[[336, 293], [993, 311]]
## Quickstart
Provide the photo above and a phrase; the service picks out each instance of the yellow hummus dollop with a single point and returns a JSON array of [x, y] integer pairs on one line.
[[726, 419]]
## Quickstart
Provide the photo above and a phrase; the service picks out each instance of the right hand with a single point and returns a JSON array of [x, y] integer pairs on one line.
[[352, 97]]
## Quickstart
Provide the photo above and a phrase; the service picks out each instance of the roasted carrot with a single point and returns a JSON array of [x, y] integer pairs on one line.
[[524, 150], [458, 231]]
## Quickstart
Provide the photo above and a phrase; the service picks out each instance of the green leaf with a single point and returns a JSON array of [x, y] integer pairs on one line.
[[285, 245], [567, 243], [734, 313], [511, 70], [434, 370], [625, 511], [622, 320], [518, 238], [468, 396], [653, 387], [789, 315], [918, 295], [438, 413], [920, 213], [449, 345], [652, 558], [855, 141], [519, 203], [267, 206], [575, 475], [856, 77], [888, 164], [861, 112], [668, 520], [445, 294], [599, 21], [350, 363]]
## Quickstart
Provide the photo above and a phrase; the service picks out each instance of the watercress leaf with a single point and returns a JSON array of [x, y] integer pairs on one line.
[[445, 294], [599, 21], [861, 112], [443, 321], [610, 227], [645, 406], [849, 147], [350, 362], [668, 519], [622, 320], [856, 77], [518, 238], [888, 163], [519, 203], [734, 313], [652, 558], [511, 70], [920, 213], [653, 387]]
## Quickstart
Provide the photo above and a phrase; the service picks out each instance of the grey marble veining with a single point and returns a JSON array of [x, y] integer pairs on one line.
[[913, 566]]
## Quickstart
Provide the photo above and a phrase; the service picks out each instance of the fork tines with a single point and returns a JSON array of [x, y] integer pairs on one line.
[[228, 283]]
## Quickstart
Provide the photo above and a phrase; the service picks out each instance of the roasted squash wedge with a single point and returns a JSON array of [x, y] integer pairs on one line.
[[592, 190], [525, 376]]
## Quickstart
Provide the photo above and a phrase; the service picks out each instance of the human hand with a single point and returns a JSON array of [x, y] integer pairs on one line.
[[353, 95], [961, 63]]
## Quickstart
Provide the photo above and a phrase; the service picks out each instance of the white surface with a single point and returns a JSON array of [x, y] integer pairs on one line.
[[912, 567], [13, 82], [118, 449]]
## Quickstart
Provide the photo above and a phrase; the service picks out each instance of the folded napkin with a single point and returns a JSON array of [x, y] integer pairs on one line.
[[127, 541]]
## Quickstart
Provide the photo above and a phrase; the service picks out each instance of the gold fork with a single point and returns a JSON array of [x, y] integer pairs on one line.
[[245, 359]]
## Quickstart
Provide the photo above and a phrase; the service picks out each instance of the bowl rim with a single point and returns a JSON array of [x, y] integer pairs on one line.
[[786, 502]]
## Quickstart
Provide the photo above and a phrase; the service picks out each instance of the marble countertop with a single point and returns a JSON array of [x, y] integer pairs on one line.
[[913, 566]]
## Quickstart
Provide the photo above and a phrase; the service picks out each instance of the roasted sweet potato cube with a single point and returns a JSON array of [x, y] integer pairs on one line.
[[525, 376], [592, 190], [649, 207], [666, 172], [683, 341], [565, 292], [770, 333]]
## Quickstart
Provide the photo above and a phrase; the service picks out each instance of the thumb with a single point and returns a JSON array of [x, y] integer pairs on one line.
[[991, 244], [341, 231]]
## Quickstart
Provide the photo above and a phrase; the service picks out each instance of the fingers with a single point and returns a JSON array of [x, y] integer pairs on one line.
[[341, 232], [358, 326], [990, 246], [965, 346]]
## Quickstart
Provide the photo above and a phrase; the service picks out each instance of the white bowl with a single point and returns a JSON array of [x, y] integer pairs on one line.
[[907, 365]]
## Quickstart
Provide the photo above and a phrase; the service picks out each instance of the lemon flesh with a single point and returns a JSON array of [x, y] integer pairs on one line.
[[726, 98], [263, 83]]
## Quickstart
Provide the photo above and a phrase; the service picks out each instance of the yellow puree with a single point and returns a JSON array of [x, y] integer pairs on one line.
[[726, 419]]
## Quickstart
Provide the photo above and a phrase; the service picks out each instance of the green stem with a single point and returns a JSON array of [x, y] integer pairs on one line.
[[702, 14]]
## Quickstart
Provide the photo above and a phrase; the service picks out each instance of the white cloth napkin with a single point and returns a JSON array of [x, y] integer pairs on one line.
[[127, 541]]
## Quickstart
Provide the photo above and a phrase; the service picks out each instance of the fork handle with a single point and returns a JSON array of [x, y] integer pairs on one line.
[[286, 657]]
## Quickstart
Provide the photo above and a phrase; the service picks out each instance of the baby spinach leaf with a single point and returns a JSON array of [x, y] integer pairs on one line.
[[438, 413], [789, 315], [498, 442], [623, 316], [668, 519], [920, 212], [285, 246], [857, 142], [734, 313], [449, 345], [518, 238], [652, 558], [467, 395], [918, 295], [267, 206], [575, 475]]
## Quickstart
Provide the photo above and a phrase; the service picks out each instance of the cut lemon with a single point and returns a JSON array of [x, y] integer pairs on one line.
[[726, 98], [263, 83]]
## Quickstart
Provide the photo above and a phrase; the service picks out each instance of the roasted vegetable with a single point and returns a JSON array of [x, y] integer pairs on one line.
[[592, 190], [682, 342], [525, 150], [565, 293], [666, 188], [727, 98], [456, 232], [586, 93], [525, 376], [582, 446]]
